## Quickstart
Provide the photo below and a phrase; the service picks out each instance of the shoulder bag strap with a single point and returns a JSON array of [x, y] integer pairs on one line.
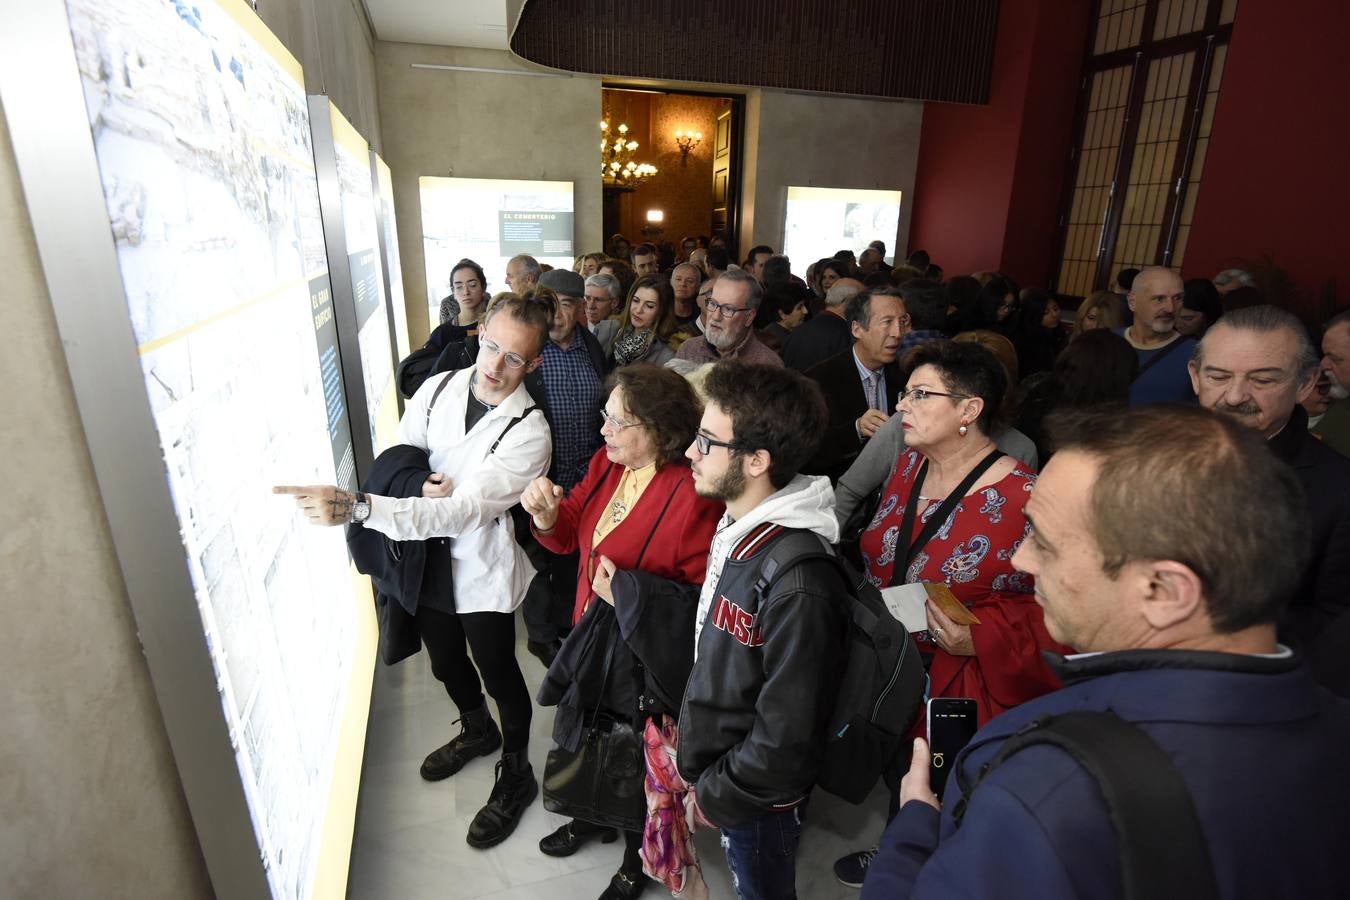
[[1163, 851], [509, 425], [1158, 357], [943, 513]]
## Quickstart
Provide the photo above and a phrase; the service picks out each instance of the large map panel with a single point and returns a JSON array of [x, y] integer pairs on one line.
[[201, 129]]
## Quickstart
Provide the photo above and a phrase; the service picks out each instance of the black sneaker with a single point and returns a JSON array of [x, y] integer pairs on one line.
[[512, 794], [851, 870], [479, 737]]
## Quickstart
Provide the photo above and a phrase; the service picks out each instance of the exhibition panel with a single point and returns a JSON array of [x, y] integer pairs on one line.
[[836, 218], [167, 160]]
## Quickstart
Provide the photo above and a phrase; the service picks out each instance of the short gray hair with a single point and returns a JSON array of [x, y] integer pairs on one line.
[[741, 276], [1267, 319], [840, 293], [609, 283], [1241, 276], [529, 263]]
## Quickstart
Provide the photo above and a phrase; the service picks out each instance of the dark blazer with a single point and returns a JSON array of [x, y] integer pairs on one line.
[[816, 341], [403, 572], [844, 395], [1323, 596]]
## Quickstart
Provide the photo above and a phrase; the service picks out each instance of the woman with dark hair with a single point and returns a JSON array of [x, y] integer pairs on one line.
[[648, 324], [468, 295], [643, 535], [952, 514], [962, 291], [823, 276], [1097, 367], [781, 310], [1201, 307], [995, 306], [1038, 336]]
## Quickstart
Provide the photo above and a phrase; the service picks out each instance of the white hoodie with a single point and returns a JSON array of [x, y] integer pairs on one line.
[[806, 501]]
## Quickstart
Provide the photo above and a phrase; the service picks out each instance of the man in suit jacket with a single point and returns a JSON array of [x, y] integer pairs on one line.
[[825, 335], [1255, 365], [861, 385]]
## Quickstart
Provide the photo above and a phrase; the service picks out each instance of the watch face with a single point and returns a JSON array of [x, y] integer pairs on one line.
[[360, 511]]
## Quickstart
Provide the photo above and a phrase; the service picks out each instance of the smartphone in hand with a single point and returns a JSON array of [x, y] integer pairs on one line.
[[952, 722]]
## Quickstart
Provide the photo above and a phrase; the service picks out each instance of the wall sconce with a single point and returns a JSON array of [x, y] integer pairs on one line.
[[686, 141], [656, 215]]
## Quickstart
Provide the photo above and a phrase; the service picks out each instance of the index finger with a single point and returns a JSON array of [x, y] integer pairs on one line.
[[297, 490], [940, 616]]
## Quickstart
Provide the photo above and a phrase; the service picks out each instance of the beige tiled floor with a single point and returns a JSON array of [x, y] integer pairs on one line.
[[410, 834]]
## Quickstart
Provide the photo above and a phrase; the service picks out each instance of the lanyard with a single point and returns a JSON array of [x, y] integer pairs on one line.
[[943, 513]]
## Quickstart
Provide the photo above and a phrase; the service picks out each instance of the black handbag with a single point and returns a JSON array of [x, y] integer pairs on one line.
[[601, 781]]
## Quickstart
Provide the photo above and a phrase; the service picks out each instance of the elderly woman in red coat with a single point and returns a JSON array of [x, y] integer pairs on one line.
[[643, 535]]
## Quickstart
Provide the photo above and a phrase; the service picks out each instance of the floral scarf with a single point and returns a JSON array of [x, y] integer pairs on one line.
[[667, 852]]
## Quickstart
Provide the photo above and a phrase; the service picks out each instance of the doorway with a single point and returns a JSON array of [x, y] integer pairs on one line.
[[693, 140]]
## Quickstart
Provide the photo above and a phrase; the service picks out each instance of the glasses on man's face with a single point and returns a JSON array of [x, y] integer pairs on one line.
[[613, 423], [721, 308], [918, 395], [513, 360], [704, 444]]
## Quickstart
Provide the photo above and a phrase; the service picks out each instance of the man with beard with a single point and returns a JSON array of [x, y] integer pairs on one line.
[[1334, 426], [766, 662], [1155, 298], [1257, 365], [729, 318]]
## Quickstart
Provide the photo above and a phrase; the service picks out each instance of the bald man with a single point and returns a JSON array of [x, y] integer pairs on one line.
[[1155, 299]]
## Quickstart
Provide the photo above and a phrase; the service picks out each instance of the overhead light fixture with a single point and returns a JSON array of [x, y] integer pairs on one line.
[[618, 168]]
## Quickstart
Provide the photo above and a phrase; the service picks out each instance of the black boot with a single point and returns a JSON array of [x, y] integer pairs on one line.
[[478, 737], [626, 885], [512, 794], [573, 836]]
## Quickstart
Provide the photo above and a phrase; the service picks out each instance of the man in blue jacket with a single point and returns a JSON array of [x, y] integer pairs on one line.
[[1165, 543]]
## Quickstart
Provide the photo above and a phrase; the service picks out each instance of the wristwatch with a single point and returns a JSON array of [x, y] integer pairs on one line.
[[361, 508]]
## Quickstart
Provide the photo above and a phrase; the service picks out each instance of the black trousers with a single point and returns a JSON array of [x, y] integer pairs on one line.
[[547, 609], [492, 637]]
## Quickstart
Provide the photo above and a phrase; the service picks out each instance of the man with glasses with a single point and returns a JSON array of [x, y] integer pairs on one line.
[[728, 324], [860, 385], [766, 662], [486, 441], [604, 294], [567, 387]]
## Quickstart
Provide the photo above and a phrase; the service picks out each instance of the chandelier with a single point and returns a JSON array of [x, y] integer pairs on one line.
[[618, 168]]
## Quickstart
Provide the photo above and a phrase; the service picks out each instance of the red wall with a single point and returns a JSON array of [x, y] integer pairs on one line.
[[1275, 180], [987, 191]]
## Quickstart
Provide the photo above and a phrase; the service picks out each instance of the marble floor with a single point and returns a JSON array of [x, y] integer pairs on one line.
[[409, 841]]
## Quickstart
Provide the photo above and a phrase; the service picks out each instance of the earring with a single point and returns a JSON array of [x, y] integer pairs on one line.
[[962, 430]]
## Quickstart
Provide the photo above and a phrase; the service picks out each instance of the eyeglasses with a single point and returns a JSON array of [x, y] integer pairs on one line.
[[918, 395], [613, 423], [705, 444], [729, 311], [513, 360]]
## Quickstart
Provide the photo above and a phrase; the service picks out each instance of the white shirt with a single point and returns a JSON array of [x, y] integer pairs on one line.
[[491, 571]]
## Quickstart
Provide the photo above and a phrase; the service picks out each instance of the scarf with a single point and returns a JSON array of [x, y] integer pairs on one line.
[[633, 346], [668, 853]]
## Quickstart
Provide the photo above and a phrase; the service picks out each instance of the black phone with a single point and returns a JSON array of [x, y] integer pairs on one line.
[[952, 722]]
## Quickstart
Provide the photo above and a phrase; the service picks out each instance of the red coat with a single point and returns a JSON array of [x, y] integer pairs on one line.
[[684, 525]]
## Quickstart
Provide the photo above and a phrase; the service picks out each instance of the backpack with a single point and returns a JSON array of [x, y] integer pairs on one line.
[[1163, 851], [883, 683]]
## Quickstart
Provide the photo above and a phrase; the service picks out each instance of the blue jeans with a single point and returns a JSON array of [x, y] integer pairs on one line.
[[762, 855]]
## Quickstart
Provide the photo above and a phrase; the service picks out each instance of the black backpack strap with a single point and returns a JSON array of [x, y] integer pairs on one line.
[[786, 552], [509, 425], [436, 393], [1163, 851]]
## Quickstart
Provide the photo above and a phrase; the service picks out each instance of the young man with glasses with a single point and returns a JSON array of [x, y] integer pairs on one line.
[[728, 324], [766, 667], [486, 441]]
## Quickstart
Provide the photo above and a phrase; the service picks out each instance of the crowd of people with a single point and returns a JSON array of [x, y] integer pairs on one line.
[[1141, 507]]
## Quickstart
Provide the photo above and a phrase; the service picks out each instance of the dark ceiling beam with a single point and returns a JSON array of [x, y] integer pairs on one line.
[[896, 49]]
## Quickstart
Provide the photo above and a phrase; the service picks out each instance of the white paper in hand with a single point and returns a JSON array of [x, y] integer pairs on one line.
[[908, 603]]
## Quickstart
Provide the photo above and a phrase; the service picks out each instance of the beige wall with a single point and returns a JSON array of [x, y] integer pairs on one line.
[[333, 41], [91, 798], [801, 140], [481, 125]]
